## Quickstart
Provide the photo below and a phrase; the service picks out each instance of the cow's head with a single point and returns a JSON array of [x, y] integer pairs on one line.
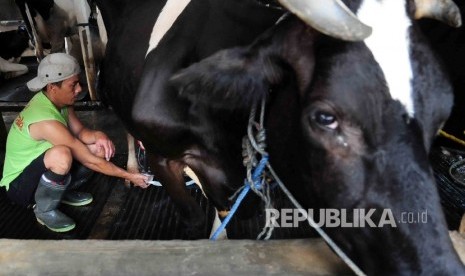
[[350, 124]]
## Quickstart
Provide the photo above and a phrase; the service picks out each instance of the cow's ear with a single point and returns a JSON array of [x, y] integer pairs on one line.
[[232, 78]]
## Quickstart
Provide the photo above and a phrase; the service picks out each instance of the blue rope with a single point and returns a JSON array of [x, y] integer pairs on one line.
[[256, 179]]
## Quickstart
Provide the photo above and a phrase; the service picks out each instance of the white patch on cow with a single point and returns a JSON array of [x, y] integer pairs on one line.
[[216, 224], [166, 19], [389, 44]]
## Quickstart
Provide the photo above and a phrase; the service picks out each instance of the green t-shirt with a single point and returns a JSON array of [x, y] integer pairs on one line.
[[21, 148]]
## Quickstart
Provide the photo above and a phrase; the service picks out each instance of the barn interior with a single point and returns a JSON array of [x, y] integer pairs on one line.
[[122, 212]]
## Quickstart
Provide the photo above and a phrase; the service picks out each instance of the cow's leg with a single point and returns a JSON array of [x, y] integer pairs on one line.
[[170, 174], [58, 27], [57, 40], [217, 221]]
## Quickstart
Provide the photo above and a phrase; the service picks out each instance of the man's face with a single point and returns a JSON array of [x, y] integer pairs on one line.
[[69, 90]]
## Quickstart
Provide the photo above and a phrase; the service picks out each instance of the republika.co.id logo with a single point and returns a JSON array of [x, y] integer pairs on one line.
[[342, 217]]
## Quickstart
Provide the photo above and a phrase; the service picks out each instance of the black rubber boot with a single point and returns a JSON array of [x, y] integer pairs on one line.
[[48, 196], [79, 176]]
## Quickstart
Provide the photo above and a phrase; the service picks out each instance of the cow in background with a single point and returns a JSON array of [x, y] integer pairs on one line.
[[56, 20], [12, 45], [349, 124]]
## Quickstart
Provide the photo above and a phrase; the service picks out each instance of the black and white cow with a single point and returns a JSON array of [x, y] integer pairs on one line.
[[55, 20], [349, 124], [12, 45]]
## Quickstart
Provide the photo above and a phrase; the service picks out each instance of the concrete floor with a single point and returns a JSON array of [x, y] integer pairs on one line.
[[202, 257]]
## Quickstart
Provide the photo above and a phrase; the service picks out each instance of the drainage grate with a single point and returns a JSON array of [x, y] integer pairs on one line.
[[151, 215], [452, 193]]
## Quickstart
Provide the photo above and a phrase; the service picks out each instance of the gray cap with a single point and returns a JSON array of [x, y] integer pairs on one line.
[[53, 68]]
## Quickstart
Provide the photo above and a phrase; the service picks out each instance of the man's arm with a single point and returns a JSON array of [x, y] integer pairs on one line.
[[88, 136], [57, 134]]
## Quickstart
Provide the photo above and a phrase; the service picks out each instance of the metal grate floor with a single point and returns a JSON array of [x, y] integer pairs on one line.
[[452, 193], [19, 223]]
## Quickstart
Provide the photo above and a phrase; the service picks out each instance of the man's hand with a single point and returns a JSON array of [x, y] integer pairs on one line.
[[103, 142], [139, 180]]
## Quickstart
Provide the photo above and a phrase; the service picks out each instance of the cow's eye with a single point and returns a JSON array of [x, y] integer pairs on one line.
[[325, 119]]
